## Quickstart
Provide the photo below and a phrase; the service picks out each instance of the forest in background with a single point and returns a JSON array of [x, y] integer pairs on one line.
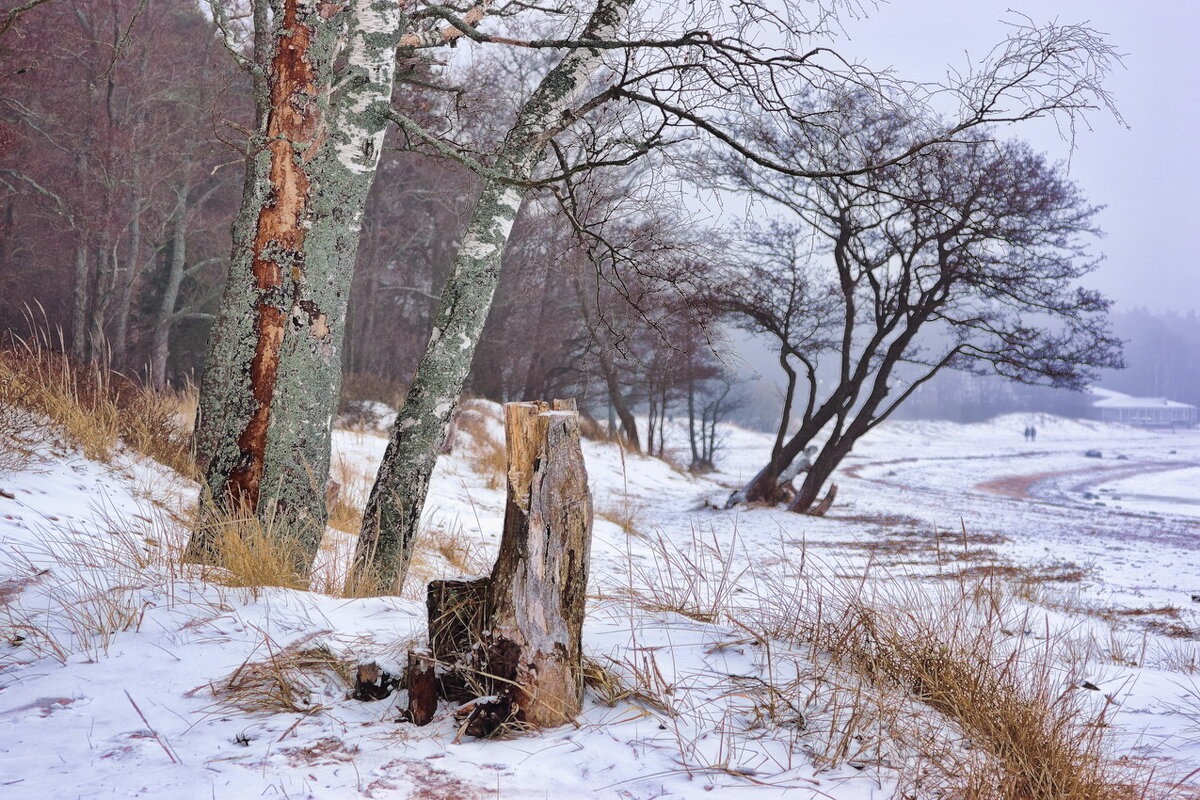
[[124, 129], [120, 172]]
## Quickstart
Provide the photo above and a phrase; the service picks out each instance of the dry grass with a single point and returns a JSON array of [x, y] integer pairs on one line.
[[960, 652], [19, 439], [445, 550], [97, 586], [93, 408], [288, 680], [1020, 575], [695, 580], [485, 451], [346, 510], [638, 682], [958, 689], [250, 553], [624, 512]]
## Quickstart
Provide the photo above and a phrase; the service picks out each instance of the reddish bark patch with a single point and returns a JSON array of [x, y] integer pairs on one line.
[[278, 247]]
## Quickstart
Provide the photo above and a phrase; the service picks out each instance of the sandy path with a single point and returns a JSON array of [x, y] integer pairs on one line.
[[1021, 486]]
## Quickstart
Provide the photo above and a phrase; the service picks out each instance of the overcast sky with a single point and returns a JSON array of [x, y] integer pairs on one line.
[[1147, 174]]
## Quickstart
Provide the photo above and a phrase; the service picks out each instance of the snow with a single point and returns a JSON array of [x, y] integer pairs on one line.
[[113, 650], [1139, 402]]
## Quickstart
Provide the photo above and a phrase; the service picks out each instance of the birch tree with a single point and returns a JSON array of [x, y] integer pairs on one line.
[[271, 380], [393, 510]]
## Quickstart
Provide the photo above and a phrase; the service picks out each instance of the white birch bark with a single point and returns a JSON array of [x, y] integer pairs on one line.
[[393, 513]]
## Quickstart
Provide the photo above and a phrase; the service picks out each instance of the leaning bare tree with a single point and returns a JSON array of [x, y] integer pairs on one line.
[[968, 257]]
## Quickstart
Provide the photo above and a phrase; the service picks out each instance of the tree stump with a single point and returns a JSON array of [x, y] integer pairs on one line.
[[538, 586], [513, 639], [422, 687]]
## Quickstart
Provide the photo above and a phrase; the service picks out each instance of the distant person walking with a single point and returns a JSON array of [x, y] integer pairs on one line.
[[1027, 430], [1032, 434]]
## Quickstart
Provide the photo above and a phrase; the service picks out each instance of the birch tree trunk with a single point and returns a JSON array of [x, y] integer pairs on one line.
[[393, 513], [272, 377]]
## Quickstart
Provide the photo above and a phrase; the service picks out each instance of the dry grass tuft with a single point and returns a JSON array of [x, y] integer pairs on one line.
[[346, 510], [1019, 574], [486, 450], [445, 550], [961, 652], [696, 580], [623, 512], [287, 681], [95, 409], [249, 552], [96, 587], [637, 682]]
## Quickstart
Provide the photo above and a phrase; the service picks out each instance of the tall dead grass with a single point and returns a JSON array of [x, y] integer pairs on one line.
[[1012, 724], [485, 451], [249, 552], [74, 593], [289, 679], [957, 689], [92, 407]]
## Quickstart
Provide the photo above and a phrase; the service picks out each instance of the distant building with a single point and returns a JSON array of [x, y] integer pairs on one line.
[[1146, 412]]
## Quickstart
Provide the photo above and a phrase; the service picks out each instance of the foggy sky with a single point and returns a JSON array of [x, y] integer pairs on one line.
[[1146, 174]]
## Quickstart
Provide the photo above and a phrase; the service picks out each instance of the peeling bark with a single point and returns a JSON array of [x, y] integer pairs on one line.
[[277, 249], [273, 373]]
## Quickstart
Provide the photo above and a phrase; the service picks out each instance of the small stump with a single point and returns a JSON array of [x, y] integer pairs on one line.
[[512, 640]]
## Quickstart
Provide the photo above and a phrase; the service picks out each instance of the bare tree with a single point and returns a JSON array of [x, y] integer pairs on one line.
[[775, 289], [700, 80], [965, 257]]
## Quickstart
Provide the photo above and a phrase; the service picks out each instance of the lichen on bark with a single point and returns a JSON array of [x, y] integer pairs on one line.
[[273, 372], [393, 513]]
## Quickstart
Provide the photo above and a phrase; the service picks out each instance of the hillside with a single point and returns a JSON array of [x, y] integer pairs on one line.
[[750, 653]]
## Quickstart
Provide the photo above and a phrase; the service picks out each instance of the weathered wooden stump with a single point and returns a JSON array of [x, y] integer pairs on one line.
[[513, 638]]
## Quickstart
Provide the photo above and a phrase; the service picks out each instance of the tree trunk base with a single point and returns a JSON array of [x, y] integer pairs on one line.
[[510, 643], [821, 508]]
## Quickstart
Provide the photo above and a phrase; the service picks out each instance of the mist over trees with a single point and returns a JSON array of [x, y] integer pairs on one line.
[[516, 218], [1156, 346]]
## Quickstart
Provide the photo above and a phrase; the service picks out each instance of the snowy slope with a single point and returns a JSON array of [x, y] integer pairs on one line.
[[111, 677]]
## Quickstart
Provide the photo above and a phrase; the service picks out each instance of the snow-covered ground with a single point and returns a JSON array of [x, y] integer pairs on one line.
[[115, 659]]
